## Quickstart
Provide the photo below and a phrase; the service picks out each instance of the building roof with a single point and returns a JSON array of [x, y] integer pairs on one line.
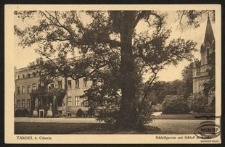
[[209, 36]]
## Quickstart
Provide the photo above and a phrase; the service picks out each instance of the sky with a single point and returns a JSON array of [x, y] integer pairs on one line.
[[24, 56]]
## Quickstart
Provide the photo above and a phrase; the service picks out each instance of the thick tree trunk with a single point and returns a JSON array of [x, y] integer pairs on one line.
[[127, 118]]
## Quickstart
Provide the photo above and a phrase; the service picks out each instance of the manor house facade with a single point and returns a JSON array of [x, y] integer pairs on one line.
[[28, 80]]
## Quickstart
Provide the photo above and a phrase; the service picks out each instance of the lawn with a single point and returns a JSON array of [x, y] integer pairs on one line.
[[162, 124], [74, 128], [184, 116], [158, 126]]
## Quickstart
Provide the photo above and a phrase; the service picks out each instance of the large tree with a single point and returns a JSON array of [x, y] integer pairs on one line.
[[115, 47]]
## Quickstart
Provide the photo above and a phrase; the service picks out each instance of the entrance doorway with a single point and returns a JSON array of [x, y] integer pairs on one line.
[[41, 113], [69, 114]]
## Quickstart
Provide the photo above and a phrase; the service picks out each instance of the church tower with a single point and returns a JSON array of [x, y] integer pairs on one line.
[[200, 71]]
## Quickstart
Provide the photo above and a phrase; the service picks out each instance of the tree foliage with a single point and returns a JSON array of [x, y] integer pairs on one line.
[[161, 89], [192, 18], [175, 105]]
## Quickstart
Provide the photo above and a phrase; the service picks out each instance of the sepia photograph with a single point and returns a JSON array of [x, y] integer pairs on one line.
[[113, 74]]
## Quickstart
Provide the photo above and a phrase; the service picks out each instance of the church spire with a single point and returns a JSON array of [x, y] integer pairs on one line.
[[209, 36]]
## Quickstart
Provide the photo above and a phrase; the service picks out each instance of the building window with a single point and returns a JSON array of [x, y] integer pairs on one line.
[[28, 103], [18, 103], [23, 89], [36, 102], [23, 103], [77, 83], [69, 84], [23, 76], [28, 75], [18, 90], [60, 84], [28, 89], [18, 76], [77, 100], [69, 114], [85, 82], [85, 102], [34, 86], [69, 101]]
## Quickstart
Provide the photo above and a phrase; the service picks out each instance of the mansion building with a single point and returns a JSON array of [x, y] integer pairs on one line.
[[28, 80]]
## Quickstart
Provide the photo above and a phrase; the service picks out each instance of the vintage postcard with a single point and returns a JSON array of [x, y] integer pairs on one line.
[[137, 74]]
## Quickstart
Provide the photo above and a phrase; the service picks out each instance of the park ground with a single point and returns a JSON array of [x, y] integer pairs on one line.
[[162, 124]]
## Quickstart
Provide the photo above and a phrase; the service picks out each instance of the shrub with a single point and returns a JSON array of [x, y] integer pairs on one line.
[[145, 115], [210, 108], [107, 115], [18, 113], [80, 113], [25, 112], [22, 113], [175, 105], [199, 103], [91, 112], [157, 108]]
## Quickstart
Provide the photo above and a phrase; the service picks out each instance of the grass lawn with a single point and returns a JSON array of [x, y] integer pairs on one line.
[[184, 116], [74, 128], [162, 124], [158, 126]]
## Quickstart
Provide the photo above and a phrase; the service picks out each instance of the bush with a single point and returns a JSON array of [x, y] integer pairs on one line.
[[175, 105], [201, 104], [21, 113], [107, 115], [91, 112], [157, 108], [145, 115], [25, 112], [210, 108], [80, 113], [18, 113]]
